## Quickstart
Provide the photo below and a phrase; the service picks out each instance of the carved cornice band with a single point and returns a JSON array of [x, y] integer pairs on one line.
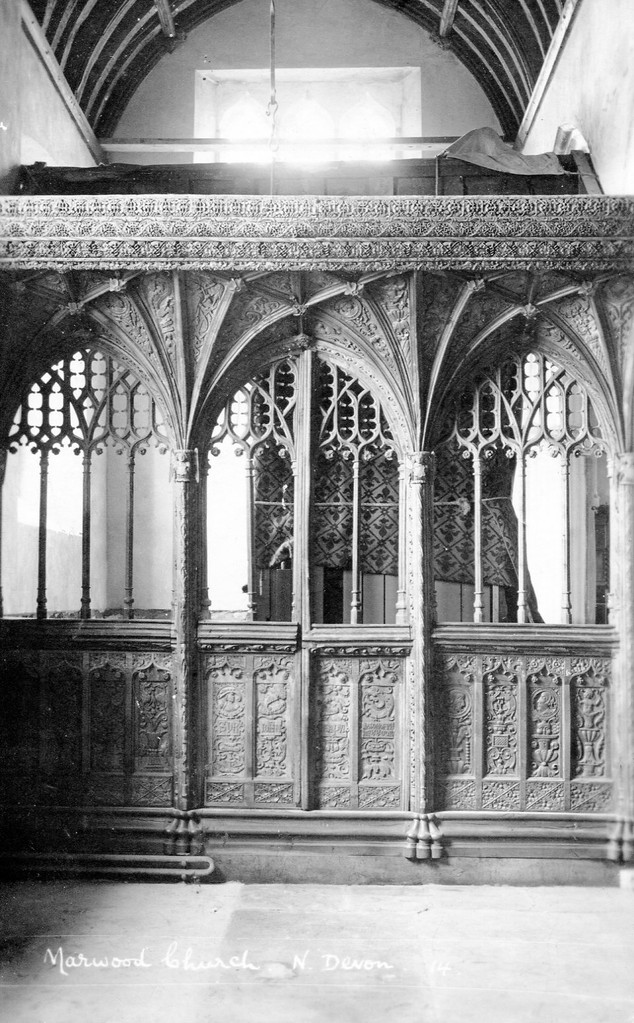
[[302, 233]]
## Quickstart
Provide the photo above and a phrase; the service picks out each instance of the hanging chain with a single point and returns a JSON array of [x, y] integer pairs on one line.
[[271, 110]]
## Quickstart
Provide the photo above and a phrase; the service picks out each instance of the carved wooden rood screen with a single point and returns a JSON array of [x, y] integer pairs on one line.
[[310, 544]]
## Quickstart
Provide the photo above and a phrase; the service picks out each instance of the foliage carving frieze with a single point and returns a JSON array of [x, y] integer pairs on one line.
[[301, 233]]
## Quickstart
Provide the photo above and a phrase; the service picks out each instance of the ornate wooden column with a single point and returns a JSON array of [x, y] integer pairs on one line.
[[624, 676], [420, 579], [186, 479]]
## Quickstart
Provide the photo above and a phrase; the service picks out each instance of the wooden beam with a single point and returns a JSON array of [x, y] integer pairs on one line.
[[166, 18], [191, 145], [40, 44], [447, 18], [547, 71]]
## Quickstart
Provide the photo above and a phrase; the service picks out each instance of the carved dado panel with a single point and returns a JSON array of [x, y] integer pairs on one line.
[[151, 702], [545, 715], [272, 679], [522, 732], [500, 717], [61, 728], [250, 729], [455, 711], [589, 717], [356, 727], [20, 682], [107, 718], [86, 729]]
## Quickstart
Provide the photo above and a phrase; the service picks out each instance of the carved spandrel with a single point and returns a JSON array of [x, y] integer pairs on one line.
[[104, 789], [227, 793], [151, 790], [378, 796], [158, 291], [500, 795], [544, 796], [269, 792], [590, 797], [458, 795], [204, 293], [335, 796]]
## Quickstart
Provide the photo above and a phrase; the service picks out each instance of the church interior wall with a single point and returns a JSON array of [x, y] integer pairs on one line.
[[592, 89], [344, 35]]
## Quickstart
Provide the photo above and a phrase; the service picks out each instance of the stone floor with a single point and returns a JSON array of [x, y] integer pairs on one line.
[[130, 953]]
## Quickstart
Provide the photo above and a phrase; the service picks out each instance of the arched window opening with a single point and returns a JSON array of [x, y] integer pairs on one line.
[[250, 511], [76, 515], [355, 513], [245, 119], [351, 516], [367, 120], [521, 517], [306, 121]]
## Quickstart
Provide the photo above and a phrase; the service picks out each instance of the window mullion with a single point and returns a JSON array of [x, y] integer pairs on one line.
[[85, 537], [302, 481], [477, 536], [566, 606], [356, 607], [41, 551], [521, 538]]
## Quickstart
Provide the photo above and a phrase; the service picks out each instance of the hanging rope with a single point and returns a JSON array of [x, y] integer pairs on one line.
[[271, 109]]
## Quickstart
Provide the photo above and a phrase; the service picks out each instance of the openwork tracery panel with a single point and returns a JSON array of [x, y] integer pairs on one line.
[[86, 402], [508, 414], [356, 485], [258, 421], [319, 458]]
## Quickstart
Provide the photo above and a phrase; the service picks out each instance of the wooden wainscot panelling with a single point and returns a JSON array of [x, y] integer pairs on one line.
[[522, 732], [20, 674], [357, 754], [129, 725], [252, 730]]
